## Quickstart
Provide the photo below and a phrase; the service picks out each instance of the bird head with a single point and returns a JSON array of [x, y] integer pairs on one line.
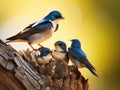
[[60, 46], [53, 15], [44, 51], [75, 43]]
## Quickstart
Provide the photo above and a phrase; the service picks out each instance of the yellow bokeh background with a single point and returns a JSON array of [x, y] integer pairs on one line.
[[96, 23]]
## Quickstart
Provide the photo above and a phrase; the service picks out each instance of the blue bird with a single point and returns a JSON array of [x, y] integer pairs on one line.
[[60, 51], [40, 30], [78, 57], [43, 55]]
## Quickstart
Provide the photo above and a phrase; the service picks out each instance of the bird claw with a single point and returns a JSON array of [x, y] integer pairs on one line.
[[40, 45], [33, 50]]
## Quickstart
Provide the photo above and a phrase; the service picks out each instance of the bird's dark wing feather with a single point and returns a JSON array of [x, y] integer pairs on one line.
[[29, 26], [78, 54], [30, 30], [66, 57], [57, 27]]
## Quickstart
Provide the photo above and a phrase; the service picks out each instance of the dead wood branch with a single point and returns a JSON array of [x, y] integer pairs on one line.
[[20, 71]]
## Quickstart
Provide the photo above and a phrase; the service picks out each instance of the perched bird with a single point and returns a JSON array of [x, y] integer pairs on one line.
[[43, 55], [78, 57], [60, 51], [38, 31]]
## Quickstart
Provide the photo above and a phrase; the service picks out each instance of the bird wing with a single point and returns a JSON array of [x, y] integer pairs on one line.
[[67, 57], [32, 29], [29, 26], [57, 27], [79, 55]]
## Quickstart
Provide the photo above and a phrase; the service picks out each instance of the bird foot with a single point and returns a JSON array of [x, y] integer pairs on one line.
[[33, 50], [40, 45]]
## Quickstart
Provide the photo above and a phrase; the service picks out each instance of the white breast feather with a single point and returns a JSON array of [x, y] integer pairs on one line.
[[58, 55], [40, 37]]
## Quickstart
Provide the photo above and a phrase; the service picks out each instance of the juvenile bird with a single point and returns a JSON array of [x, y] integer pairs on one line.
[[60, 51], [43, 55], [38, 31], [78, 57]]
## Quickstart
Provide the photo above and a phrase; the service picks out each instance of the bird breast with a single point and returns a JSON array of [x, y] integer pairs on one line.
[[58, 55], [44, 59], [76, 62], [40, 37]]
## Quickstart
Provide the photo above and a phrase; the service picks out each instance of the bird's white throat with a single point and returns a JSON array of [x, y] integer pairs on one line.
[[58, 48]]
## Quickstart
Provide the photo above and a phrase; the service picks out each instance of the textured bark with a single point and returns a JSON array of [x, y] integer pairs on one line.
[[20, 71]]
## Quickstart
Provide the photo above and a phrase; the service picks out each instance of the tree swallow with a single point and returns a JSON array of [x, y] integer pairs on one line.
[[38, 31], [78, 57], [43, 55], [60, 51]]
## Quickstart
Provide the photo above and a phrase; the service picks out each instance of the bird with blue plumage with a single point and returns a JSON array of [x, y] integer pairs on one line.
[[43, 55], [39, 31], [78, 57], [60, 51]]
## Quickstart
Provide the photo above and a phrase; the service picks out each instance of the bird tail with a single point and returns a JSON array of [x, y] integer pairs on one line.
[[8, 41], [11, 39], [92, 70]]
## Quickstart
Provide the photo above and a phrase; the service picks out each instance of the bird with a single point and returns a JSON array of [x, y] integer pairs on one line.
[[38, 31], [43, 55], [78, 57], [60, 51]]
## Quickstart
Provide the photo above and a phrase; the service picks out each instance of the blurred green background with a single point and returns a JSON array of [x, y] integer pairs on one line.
[[95, 22]]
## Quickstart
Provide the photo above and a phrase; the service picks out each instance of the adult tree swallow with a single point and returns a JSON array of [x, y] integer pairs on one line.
[[60, 51], [43, 55], [78, 57], [40, 30]]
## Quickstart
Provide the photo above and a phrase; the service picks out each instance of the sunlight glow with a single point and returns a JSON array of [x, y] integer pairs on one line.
[[84, 19]]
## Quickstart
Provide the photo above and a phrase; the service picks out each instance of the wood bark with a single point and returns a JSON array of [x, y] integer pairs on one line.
[[19, 70]]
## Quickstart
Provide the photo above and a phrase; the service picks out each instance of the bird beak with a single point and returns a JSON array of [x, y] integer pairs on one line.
[[40, 48], [62, 17], [50, 51], [70, 40], [55, 44]]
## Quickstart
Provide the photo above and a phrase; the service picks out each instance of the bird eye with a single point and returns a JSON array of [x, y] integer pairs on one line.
[[58, 16]]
